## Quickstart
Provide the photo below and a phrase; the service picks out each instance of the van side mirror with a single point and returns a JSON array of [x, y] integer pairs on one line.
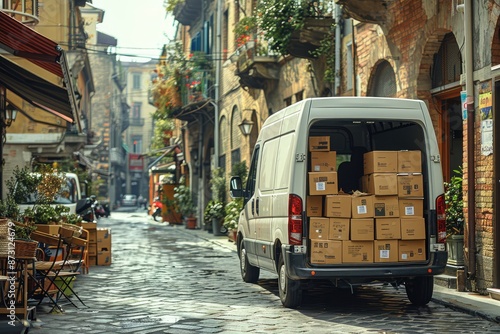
[[236, 187]]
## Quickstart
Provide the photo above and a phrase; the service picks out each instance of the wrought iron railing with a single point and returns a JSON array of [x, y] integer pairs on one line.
[[25, 11]]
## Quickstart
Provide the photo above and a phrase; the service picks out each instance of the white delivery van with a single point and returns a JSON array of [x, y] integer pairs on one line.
[[307, 217]]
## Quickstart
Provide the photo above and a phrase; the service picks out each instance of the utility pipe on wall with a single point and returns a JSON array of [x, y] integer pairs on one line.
[[471, 193]]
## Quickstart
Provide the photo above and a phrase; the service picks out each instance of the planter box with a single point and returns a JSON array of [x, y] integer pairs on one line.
[[49, 229], [455, 247]]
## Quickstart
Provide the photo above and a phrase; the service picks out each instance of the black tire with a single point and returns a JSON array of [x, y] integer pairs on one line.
[[290, 290], [419, 290], [249, 273]]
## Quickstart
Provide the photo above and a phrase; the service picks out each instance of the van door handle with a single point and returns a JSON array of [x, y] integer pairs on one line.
[[257, 206], [253, 207]]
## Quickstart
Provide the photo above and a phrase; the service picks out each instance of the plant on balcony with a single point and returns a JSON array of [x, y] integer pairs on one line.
[[171, 4], [245, 30]]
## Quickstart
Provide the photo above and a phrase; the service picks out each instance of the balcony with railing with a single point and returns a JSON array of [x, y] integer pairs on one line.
[[318, 24], [256, 64], [188, 12], [25, 11], [136, 121], [373, 11]]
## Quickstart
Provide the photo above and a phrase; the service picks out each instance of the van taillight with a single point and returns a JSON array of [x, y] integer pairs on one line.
[[294, 220], [441, 219]]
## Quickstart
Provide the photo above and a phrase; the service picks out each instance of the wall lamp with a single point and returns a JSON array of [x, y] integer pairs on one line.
[[9, 115], [246, 126]]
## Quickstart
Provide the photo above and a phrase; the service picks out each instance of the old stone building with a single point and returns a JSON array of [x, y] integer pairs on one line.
[[444, 52]]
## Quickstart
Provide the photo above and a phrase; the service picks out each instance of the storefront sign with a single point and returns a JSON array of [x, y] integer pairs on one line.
[[486, 110]]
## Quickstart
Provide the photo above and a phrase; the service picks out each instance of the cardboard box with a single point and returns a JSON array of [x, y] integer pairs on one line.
[[318, 228], [338, 206], [387, 228], [385, 251], [323, 183], [409, 162], [92, 249], [49, 229], [412, 228], [362, 229], [339, 229], [380, 162], [386, 206], [93, 260], [319, 143], [93, 236], [381, 183], [314, 206], [411, 250], [411, 207], [88, 225], [410, 185], [323, 161], [104, 257], [357, 251], [362, 206], [326, 251], [103, 238]]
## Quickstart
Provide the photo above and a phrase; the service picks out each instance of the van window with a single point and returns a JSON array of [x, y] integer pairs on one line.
[[252, 173], [283, 164], [268, 165]]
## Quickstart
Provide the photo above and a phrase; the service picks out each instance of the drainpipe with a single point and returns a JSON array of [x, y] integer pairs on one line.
[[337, 49], [218, 59], [471, 194]]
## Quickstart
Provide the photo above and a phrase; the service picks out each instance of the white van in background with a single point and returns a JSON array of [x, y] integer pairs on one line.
[[275, 232], [71, 193]]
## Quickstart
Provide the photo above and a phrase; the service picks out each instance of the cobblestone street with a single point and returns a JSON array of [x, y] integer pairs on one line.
[[167, 279]]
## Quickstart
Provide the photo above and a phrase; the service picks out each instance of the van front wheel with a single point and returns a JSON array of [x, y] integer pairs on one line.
[[419, 290], [289, 290], [249, 273]]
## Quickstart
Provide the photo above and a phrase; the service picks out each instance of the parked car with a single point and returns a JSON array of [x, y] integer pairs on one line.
[[129, 200]]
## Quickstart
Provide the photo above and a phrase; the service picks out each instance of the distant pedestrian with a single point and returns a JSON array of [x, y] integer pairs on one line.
[[140, 200], [157, 206]]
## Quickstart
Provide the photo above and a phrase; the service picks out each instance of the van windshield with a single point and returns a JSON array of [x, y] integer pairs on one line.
[[66, 195]]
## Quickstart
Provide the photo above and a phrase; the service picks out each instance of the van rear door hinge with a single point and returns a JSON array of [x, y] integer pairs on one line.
[[300, 157]]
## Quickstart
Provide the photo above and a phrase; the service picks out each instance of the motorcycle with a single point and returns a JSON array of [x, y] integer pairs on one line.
[[86, 209]]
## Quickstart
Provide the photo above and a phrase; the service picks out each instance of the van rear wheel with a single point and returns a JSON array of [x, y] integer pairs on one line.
[[289, 290], [249, 273], [419, 290]]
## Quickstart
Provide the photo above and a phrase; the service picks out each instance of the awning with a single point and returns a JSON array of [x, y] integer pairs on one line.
[[35, 90], [22, 41]]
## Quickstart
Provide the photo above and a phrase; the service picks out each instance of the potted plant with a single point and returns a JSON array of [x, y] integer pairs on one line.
[[215, 211], [233, 210], [454, 218], [214, 215], [184, 201]]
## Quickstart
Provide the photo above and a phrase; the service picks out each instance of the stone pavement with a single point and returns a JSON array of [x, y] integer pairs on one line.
[[189, 291], [467, 302]]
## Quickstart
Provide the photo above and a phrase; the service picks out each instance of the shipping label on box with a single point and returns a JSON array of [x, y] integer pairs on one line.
[[381, 183], [410, 185], [323, 183], [339, 229], [326, 251], [387, 228], [412, 228], [319, 143], [362, 206], [357, 251], [338, 206], [386, 206], [314, 206], [409, 162], [411, 207], [385, 250], [323, 161], [318, 227], [380, 162], [411, 250], [362, 229]]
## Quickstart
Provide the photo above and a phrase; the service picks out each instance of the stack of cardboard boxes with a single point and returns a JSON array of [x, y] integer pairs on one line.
[[99, 248], [381, 223]]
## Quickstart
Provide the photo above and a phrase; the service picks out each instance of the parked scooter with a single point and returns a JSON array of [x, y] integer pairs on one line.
[[86, 209]]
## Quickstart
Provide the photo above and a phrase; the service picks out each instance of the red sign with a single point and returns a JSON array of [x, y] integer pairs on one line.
[[135, 162]]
